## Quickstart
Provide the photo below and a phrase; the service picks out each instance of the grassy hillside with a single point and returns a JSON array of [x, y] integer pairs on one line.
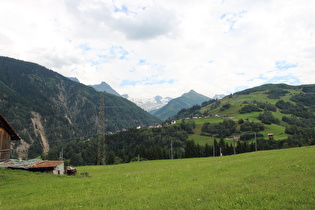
[[277, 179], [202, 138], [301, 100]]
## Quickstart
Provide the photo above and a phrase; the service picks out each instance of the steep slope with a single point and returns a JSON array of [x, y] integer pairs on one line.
[[46, 108], [74, 79], [104, 87], [185, 101]]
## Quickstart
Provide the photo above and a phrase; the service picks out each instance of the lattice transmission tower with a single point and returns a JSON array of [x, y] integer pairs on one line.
[[101, 154]]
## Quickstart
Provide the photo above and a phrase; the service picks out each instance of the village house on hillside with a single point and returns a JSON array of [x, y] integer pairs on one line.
[[7, 134]]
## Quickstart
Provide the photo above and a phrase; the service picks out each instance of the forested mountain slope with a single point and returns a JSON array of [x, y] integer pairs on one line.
[[272, 116], [185, 101], [104, 87], [45, 107]]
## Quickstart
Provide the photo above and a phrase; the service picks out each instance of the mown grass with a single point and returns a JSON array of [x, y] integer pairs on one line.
[[278, 179]]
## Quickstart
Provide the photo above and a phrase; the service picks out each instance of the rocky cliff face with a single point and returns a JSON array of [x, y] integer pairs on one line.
[[46, 108]]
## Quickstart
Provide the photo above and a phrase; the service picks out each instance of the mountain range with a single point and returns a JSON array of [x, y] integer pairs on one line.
[[162, 107], [150, 104], [146, 104], [46, 108], [104, 87], [175, 105]]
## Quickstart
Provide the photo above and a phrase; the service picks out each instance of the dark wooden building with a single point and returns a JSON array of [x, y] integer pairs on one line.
[[7, 133]]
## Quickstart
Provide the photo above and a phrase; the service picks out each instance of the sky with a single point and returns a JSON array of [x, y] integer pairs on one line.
[[145, 48]]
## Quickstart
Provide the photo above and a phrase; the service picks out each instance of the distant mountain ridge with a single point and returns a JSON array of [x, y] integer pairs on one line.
[[298, 100], [187, 100], [104, 87], [151, 103], [74, 79], [45, 107]]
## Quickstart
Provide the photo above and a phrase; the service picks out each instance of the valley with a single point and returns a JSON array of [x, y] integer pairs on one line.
[[276, 179], [53, 114]]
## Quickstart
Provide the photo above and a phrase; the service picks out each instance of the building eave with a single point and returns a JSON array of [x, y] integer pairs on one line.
[[6, 125]]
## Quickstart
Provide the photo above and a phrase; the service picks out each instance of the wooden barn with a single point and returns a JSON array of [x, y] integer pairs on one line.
[[7, 134], [49, 166], [46, 166]]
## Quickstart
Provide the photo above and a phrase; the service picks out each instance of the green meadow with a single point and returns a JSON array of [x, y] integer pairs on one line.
[[277, 179], [277, 130]]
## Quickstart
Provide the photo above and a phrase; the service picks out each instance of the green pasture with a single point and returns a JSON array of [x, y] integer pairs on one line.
[[277, 179], [278, 131], [237, 101]]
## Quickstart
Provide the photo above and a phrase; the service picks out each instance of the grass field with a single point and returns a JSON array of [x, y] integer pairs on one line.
[[278, 131], [278, 179]]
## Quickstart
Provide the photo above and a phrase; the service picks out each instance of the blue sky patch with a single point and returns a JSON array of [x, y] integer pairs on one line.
[[240, 88], [145, 82], [128, 82], [123, 9], [119, 51], [141, 61], [159, 82], [231, 18], [283, 65], [84, 47], [289, 79]]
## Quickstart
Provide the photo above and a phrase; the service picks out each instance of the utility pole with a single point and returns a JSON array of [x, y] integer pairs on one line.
[[171, 149], [234, 139], [61, 154], [101, 156], [255, 142], [213, 149]]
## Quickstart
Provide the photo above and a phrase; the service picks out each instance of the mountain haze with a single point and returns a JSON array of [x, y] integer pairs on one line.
[[175, 105], [150, 104], [74, 79], [46, 108], [104, 87]]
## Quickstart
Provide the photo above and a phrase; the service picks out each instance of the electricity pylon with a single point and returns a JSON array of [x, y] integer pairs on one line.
[[101, 154]]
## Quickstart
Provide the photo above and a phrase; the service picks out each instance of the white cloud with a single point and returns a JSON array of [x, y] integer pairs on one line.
[[147, 23], [209, 46]]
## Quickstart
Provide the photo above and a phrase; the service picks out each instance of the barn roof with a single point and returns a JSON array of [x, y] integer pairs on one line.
[[29, 164], [46, 164], [4, 124]]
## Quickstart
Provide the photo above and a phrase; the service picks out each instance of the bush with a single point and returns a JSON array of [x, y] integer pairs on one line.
[[249, 108], [252, 126], [267, 118]]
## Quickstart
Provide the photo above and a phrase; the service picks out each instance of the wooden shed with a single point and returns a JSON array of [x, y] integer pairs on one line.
[[7, 133], [49, 166]]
